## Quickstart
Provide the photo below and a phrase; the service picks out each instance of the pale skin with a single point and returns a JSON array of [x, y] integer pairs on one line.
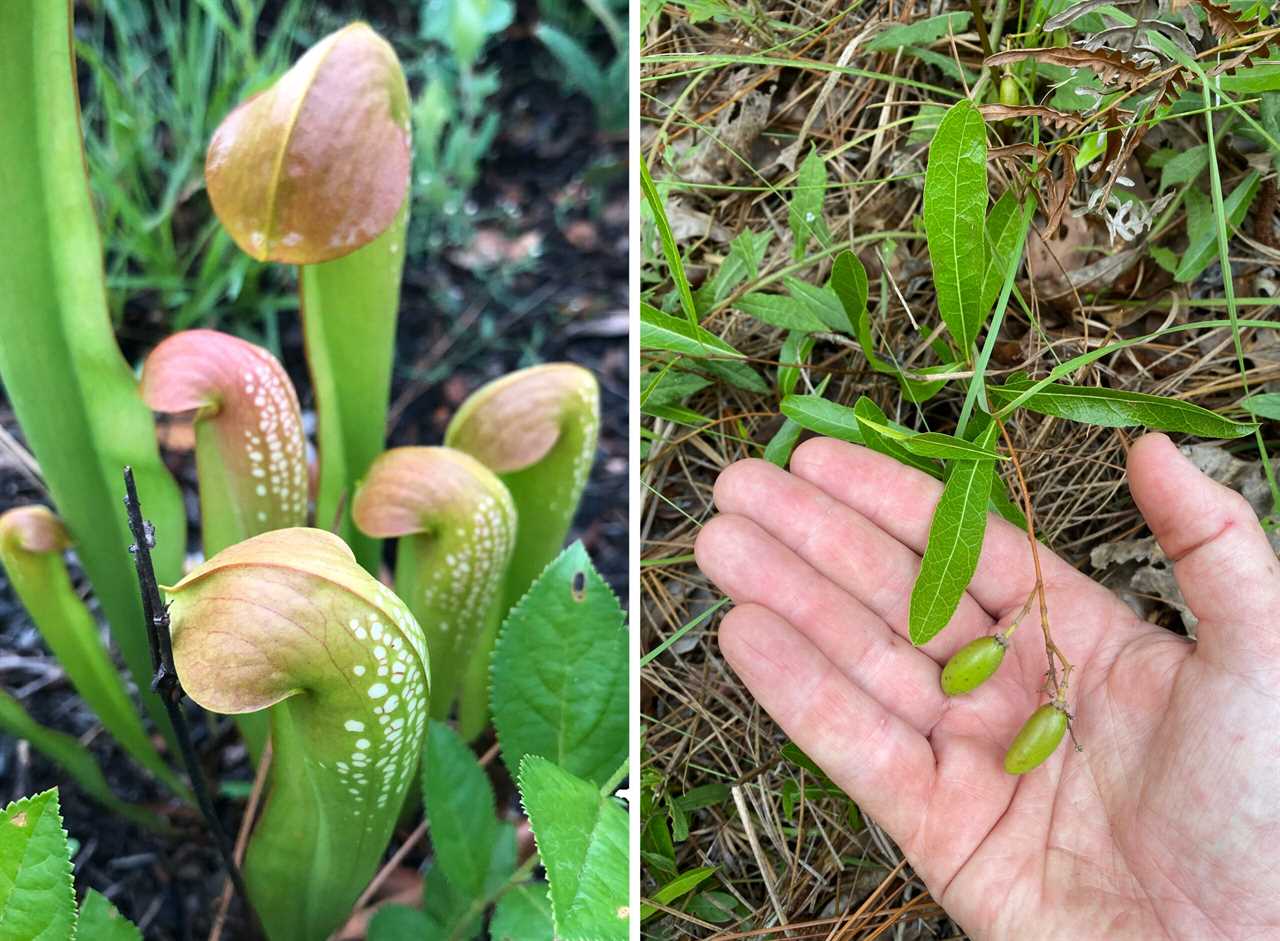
[[1166, 825]]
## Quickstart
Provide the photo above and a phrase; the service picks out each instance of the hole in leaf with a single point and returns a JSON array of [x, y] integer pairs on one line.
[[579, 586]]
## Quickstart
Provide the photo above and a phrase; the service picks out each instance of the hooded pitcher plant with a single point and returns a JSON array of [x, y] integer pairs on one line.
[[314, 172], [32, 543], [72, 391], [456, 526], [289, 620], [251, 457], [536, 429]]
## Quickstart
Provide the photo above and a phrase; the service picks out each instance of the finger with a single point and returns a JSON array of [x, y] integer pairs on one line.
[[855, 553], [880, 761], [1224, 564], [900, 500], [752, 567]]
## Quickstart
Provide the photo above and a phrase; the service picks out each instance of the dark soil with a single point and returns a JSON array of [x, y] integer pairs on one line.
[[549, 173]]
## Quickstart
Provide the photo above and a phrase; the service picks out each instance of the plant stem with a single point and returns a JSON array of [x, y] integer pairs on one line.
[[1057, 688], [166, 682]]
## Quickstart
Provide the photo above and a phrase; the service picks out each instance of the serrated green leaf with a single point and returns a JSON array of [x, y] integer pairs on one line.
[[582, 841], [1184, 166], [955, 204], [805, 214], [955, 542], [37, 897], [1264, 405], [1202, 247], [659, 331], [826, 418], [1002, 241], [780, 311], [920, 33], [99, 921], [870, 420], [523, 914], [460, 809], [1117, 408], [560, 672]]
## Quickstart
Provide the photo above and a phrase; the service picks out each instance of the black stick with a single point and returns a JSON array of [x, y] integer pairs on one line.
[[166, 682]]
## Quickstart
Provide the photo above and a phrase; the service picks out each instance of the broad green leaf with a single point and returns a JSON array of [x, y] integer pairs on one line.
[[1203, 242], [1184, 166], [582, 841], [1117, 408], [746, 252], [920, 33], [870, 420], [682, 884], [736, 374], [805, 215], [849, 283], [822, 302], [460, 810], [72, 391], [100, 921], [704, 795], [37, 898], [826, 418], [659, 331], [523, 914], [715, 907], [955, 204], [784, 440], [955, 542], [922, 390], [795, 353], [559, 672], [402, 923], [671, 387], [1002, 241], [780, 311], [1264, 405]]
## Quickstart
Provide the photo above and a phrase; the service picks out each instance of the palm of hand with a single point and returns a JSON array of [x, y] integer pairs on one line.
[[1166, 825]]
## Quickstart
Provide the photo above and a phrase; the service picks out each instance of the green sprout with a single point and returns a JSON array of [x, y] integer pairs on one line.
[[32, 543], [536, 429], [314, 172], [289, 620], [456, 526]]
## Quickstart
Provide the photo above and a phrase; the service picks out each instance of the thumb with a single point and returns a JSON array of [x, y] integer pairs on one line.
[[1226, 568]]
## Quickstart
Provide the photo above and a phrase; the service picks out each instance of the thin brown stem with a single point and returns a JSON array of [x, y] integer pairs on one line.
[[1057, 688]]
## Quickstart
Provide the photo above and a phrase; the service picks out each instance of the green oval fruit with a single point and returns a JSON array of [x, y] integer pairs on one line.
[[1037, 739], [973, 664], [1008, 91]]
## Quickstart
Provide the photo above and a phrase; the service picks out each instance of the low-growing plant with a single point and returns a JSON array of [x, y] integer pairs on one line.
[[284, 626]]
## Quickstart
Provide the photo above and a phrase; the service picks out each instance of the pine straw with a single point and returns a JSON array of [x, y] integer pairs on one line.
[[815, 874]]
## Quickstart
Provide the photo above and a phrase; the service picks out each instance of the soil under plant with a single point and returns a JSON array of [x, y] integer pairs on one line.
[[733, 96], [543, 278]]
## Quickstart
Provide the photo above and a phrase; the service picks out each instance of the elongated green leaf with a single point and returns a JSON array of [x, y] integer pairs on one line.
[[559, 676], [402, 923], [822, 302], [1203, 247], [100, 921], [37, 899], [1184, 166], [1264, 405], [870, 420], [746, 251], [582, 840], [1118, 408], [826, 418], [784, 440], [795, 353], [955, 203], [73, 392], [1002, 231], [780, 311], [920, 33], [668, 240], [805, 214], [849, 282], [948, 447], [460, 809], [682, 884], [659, 331], [523, 914], [736, 374], [955, 542], [922, 390]]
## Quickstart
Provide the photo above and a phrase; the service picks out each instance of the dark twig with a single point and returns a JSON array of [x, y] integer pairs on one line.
[[165, 681]]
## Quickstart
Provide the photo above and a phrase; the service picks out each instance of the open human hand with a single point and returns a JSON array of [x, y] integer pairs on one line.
[[1166, 825]]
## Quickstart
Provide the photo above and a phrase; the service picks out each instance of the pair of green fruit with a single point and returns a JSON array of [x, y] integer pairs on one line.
[[974, 664]]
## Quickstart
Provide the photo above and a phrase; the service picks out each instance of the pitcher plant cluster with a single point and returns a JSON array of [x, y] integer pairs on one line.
[[332, 676]]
